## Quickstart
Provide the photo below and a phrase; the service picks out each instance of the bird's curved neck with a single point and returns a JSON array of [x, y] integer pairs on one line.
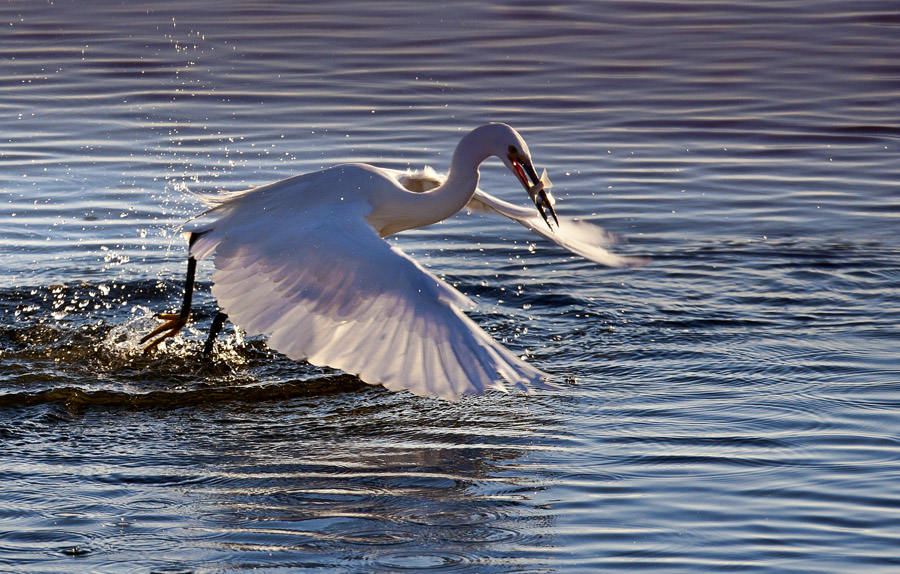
[[421, 209], [462, 179]]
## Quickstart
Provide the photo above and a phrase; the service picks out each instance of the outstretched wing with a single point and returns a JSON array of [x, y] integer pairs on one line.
[[329, 290], [578, 236]]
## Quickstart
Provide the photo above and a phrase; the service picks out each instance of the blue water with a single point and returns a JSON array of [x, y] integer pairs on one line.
[[732, 407]]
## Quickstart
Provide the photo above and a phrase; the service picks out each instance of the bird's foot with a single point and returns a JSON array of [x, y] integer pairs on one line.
[[174, 322]]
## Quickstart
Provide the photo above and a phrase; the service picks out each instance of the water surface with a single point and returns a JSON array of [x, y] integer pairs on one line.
[[731, 407]]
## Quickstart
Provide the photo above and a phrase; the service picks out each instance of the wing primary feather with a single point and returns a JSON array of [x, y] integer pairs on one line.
[[394, 343], [469, 377]]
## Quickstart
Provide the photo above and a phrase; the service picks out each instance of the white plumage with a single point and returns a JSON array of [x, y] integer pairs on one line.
[[303, 260]]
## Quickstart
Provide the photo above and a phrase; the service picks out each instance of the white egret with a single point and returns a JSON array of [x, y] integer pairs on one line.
[[304, 261]]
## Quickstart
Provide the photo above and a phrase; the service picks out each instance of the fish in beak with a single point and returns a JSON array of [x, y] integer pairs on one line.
[[538, 188]]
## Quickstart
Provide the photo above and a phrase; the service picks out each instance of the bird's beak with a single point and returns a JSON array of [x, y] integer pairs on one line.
[[538, 188]]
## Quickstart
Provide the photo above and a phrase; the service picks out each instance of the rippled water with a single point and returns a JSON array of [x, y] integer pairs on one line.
[[732, 407]]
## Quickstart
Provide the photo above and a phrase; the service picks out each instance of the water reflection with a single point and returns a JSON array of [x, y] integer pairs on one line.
[[346, 480], [383, 490]]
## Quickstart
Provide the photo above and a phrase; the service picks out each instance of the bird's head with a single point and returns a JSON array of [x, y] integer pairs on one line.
[[514, 153]]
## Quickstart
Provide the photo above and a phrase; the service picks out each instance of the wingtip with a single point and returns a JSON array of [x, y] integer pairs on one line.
[[637, 262]]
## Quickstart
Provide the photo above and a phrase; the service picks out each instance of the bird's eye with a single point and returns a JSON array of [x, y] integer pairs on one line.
[[513, 150]]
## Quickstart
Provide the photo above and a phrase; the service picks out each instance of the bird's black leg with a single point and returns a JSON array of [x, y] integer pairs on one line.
[[214, 330], [188, 288], [174, 322]]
